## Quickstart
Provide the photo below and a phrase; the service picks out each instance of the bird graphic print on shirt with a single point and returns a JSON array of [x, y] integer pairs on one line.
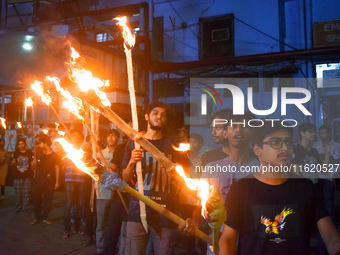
[[278, 223]]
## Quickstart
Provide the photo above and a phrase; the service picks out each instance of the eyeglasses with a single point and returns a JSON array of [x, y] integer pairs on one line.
[[277, 143]]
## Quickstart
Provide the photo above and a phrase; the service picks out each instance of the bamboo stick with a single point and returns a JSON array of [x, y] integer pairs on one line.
[[162, 210]]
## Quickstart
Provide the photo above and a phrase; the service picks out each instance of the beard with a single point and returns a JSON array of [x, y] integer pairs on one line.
[[156, 128]]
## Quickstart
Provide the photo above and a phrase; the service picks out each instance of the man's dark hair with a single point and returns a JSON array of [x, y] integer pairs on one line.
[[113, 131], [45, 139], [156, 104], [327, 128], [21, 140], [306, 126], [77, 131], [260, 133], [223, 114], [198, 137]]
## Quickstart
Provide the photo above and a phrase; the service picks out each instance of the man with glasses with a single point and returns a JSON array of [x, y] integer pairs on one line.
[[306, 157], [274, 212]]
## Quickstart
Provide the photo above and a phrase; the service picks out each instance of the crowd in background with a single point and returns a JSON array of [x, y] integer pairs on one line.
[[114, 225]]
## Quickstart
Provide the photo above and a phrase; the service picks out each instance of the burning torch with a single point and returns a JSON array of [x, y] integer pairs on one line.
[[112, 182], [129, 42]]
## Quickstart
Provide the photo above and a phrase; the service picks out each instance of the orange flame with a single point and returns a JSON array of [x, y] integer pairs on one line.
[[75, 156], [194, 184], [86, 81], [182, 147], [73, 104], [62, 133], [19, 124], [129, 37], [45, 131], [74, 54], [3, 123], [45, 97], [29, 102]]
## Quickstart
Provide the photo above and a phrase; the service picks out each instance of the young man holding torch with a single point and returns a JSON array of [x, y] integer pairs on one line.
[[103, 198], [78, 193], [158, 185], [274, 211]]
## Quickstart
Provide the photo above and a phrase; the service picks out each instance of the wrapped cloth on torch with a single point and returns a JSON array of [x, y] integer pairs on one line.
[[215, 214]]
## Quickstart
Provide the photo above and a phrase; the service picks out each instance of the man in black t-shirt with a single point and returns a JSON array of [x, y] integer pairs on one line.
[[274, 212], [46, 180], [158, 186]]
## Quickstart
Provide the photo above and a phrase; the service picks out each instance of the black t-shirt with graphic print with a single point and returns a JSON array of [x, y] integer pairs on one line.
[[274, 219], [158, 186], [22, 169]]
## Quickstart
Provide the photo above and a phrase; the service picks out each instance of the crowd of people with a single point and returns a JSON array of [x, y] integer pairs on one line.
[[267, 211]]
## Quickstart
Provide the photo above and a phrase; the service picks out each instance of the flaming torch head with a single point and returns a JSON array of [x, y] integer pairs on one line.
[[129, 37], [19, 125], [87, 82], [194, 184], [45, 97], [215, 210], [182, 147], [3, 123], [29, 102], [76, 156]]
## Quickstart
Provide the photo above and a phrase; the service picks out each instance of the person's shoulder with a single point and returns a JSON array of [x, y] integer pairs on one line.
[[335, 144], [223, 161], [211, 152], [245, 183], [121, 145]]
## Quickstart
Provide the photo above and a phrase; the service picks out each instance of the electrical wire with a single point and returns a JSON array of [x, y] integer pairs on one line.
[[275, 39]]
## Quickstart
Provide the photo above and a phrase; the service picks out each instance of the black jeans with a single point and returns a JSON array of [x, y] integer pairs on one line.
[[42, 199]]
